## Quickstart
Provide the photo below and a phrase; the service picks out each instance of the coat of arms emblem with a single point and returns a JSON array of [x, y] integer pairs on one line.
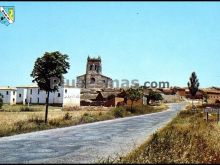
[[7, 15]]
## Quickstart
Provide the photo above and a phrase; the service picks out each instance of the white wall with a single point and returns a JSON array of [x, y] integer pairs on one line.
[[9, 98], [21, 95], [71, 97], [34, 97], [54, 99]]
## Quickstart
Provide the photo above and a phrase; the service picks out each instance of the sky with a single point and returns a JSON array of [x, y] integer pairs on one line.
[[147, 41]]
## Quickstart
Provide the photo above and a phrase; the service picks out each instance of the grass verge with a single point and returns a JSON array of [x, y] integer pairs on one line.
[[19, 119], [188, 138]]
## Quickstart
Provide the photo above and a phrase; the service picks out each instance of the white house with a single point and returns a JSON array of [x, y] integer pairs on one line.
[[8, 95], [65, 96]]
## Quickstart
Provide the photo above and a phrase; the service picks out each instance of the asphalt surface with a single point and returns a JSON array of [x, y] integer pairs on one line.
[[85, 143]]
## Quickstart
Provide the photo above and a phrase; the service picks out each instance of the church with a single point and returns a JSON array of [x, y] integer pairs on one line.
[[93, 77]]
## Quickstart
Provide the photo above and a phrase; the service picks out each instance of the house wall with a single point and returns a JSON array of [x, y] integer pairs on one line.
[[71, 97], [113, 102], [35, 96], [181, 93], [171, 98], [135, 103], [56, 97], [9, 98], [21, 95], [212, 98]]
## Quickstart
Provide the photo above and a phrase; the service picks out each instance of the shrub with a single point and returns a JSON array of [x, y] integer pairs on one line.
[[119, 112], [55, 122], [137, 109], [1, 103], [67, 116], [112, 96], [25, 109], [36, 119], [87, 118], [28, 109], [18, 125]]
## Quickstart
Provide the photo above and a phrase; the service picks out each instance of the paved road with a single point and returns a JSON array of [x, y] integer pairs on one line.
[[83, 143]]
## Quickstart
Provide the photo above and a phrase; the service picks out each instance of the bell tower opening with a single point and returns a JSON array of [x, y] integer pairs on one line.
[[94, 65]]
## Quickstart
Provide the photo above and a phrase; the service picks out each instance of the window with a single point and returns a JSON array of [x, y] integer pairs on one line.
[[90, 67], [30, 100], [38, 91], [103, 81], [13, 92], [38, 100], [58, 94], [19, 95], [95, 67], [65, 90], [13, 100], [6, 92], [31, 92]]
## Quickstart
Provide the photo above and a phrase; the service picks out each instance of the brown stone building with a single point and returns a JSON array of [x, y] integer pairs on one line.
[[213, 94], [93, 77]]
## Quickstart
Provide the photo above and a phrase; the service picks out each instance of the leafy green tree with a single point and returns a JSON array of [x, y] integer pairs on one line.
[[49, 66], [193, 86], [134, 94], [1, 101], [154, 96]]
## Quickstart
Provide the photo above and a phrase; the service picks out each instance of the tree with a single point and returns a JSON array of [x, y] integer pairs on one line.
[[154, 96], [134, 94], [112, 96], [205, 97], [1, 101], [193, 86], [46, 68]]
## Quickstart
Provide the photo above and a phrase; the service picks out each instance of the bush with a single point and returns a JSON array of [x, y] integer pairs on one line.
[[28, 109], [119, 112], [67, 116], [138, 109], [36, 119], [18, 125], [87, 118], [1, 103]]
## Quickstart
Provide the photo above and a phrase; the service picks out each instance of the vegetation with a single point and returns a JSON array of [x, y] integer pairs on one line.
[[1, 101], [119, 112], [153, 96], [18, 119], [193, 86], [134, 94], [187, 139], [48, 72], [112, 96], [206, 97]]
